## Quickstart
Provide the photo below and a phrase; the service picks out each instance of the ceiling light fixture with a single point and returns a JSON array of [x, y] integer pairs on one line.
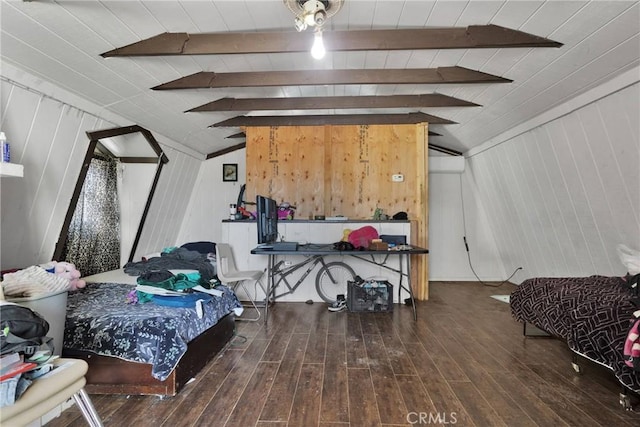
[[313, 13]]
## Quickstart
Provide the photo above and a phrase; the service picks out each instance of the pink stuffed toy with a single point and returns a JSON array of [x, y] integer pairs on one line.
[[70, 272]]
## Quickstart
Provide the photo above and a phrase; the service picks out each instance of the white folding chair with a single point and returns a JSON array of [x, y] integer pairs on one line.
[[229, 274]]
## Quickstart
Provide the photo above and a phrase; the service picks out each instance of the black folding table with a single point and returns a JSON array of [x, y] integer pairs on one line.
[[314, 254]]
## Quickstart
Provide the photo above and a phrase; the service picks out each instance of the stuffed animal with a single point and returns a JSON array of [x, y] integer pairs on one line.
[[70, 272]]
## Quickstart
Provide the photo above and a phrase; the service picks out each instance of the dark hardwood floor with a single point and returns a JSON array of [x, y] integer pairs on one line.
[[464, 362]]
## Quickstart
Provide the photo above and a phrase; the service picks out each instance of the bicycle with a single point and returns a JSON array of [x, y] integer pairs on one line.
[[331, 279]]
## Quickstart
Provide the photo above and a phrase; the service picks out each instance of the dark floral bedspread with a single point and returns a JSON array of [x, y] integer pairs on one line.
[[100, 320], [591, 313]]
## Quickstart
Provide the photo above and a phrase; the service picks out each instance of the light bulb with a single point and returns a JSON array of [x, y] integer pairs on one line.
[[318, 50]]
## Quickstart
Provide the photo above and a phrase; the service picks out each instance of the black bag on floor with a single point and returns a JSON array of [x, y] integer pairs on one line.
[[22, 330]]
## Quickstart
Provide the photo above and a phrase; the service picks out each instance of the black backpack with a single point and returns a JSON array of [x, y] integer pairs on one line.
[[22, 330]]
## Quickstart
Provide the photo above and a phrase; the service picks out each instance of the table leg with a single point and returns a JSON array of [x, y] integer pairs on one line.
[[401, 279], [413, 301], [408, 288], [270, 287]]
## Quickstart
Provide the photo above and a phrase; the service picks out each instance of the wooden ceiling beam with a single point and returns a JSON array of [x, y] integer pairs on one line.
[[471, 37], [333, 102], [444, 150], [237, 135], [226, 150], [139, 159], [440, 75], [335, 119]]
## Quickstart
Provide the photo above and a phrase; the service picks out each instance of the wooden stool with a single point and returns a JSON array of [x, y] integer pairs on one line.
[[51, 390]]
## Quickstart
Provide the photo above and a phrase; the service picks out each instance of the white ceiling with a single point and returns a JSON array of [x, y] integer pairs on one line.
[[61, 42]]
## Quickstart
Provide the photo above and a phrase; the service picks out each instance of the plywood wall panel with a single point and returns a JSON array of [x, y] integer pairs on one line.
[[421, 191], [287, 164], [310, 178], [334, 170], [257, 161], [344, 170], [301, 164]]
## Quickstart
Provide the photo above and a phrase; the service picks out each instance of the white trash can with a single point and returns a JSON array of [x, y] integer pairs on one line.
[[53, 307]]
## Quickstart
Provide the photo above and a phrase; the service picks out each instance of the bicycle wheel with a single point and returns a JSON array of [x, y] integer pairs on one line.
[[331, 280]]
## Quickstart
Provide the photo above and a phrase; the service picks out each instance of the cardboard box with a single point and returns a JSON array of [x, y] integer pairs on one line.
[[378, 246]]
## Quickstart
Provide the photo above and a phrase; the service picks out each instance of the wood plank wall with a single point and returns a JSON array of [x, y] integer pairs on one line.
[[345, 170]]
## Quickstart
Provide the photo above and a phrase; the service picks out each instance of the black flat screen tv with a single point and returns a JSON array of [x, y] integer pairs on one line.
[[267, 220]]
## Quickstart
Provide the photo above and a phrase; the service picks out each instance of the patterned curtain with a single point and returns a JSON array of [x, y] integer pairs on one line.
[[93, 242]]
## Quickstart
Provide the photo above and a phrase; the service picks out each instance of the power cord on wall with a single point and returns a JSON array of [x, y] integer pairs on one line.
[[466, 246]]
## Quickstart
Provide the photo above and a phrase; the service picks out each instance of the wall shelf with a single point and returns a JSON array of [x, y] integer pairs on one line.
[[11, 170]]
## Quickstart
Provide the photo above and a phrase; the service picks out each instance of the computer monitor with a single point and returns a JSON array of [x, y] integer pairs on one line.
[[267, 220]]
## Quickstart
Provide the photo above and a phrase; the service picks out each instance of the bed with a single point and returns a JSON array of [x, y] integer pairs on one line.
[[591, 313], [143, 348]]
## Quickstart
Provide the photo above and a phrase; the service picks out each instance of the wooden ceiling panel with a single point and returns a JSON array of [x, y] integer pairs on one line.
[[47, 39]]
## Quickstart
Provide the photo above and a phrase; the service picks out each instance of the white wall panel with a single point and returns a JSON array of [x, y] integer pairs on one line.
[[547, 164], [43, 134], [134, 184], [48, 136], [210, 200], [568, 189], [169, 205], [454, 213]]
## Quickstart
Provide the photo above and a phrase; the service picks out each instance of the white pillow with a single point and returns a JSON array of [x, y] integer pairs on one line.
[[630, 258]]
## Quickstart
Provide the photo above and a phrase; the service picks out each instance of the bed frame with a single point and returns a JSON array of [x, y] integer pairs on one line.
[[111, 375]]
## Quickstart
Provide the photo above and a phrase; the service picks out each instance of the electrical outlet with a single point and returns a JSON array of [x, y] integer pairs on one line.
[[397, 177]]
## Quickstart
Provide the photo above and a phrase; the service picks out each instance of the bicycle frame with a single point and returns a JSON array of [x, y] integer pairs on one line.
[[281, 271]]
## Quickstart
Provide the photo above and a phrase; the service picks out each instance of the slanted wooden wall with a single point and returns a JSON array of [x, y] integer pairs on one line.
[[345, 170]]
